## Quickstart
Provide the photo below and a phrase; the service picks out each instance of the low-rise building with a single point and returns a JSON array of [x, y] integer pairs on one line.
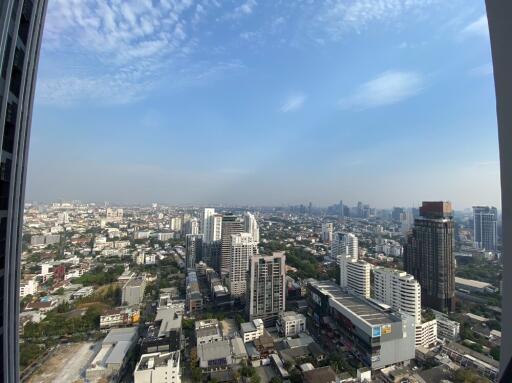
[[290, 323], [468, 358], [119, 317], [112, 356], [426, 334], [214, 356], [133, 291], [252, 330], [447, 329], [158, 368], [207, 331], [472, 285], [194, 298]]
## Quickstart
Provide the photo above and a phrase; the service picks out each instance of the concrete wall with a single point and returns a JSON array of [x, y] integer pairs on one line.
[[499, 13]]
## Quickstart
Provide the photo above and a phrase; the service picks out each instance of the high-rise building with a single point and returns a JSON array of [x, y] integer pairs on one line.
[[344, 244], [344, 249], [212, 225], [327, 229], [191, 226], [358, 277], [342, 210], [176, 223], [231, 224], [428, 255], [193, 249], [399, 290], [251, 226], [485, 227], [21, 26], [267, 286], [243, 247]]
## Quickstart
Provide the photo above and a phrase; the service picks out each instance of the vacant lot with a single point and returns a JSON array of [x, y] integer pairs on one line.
[[65, 365]]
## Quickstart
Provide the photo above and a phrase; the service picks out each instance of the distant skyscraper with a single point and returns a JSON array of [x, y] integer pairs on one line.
[[327, 229], [243, 247], [191, 226], [485, 227], [267, 285], [342, 210], [344, 249], [194, 247], [231, 224], [344, 244], [429, 255], [21, 25], [251, 226], [207, 213]]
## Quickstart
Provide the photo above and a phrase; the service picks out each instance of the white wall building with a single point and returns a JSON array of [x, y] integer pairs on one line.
[[159, 367], [251, 330], [446, 328], [402, 292], [243, 247], [267, 286], [28, 287], [358, 277], [251, 226], [327, 229], [290, 323]]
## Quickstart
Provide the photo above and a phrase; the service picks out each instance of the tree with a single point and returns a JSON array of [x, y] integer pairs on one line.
[[495, 352]]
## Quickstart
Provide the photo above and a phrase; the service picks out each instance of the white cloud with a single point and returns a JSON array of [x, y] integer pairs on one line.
[[386, 89], [478, 27], [242, 10], [126, 47], [293, 103], [338, 17]]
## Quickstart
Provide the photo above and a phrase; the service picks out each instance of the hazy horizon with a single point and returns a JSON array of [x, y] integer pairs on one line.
[[265, 103]]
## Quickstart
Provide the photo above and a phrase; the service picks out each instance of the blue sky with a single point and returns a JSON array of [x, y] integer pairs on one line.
[[265, 102]]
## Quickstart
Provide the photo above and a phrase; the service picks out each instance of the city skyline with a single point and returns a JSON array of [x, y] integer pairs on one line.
[[394, 98]]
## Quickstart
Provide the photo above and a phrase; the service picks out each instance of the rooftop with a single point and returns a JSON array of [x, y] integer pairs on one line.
[[360, 307], [170, 319], [472, 283], [158, 359], [214, 350]]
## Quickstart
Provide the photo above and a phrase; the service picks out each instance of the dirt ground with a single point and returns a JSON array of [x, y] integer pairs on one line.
[[65, 365]]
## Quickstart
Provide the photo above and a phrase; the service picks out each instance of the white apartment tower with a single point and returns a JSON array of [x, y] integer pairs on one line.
[[243, 247], [345, 249], [399, 290], [267, 286], [251, 226], [358, 277], [327, 229], [212, 226], [344, 244], [402, 292]]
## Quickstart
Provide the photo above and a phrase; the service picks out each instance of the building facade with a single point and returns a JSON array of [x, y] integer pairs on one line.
[[429, 255], [231, 224], [327, 229], [251, 226], [243, 248], [358, 278], [379, 336], [194, 249], [158, 367], [21, 26], [485, 227], [267, 286]]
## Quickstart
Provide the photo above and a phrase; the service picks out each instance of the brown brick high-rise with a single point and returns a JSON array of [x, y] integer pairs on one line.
[[429, 255]]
